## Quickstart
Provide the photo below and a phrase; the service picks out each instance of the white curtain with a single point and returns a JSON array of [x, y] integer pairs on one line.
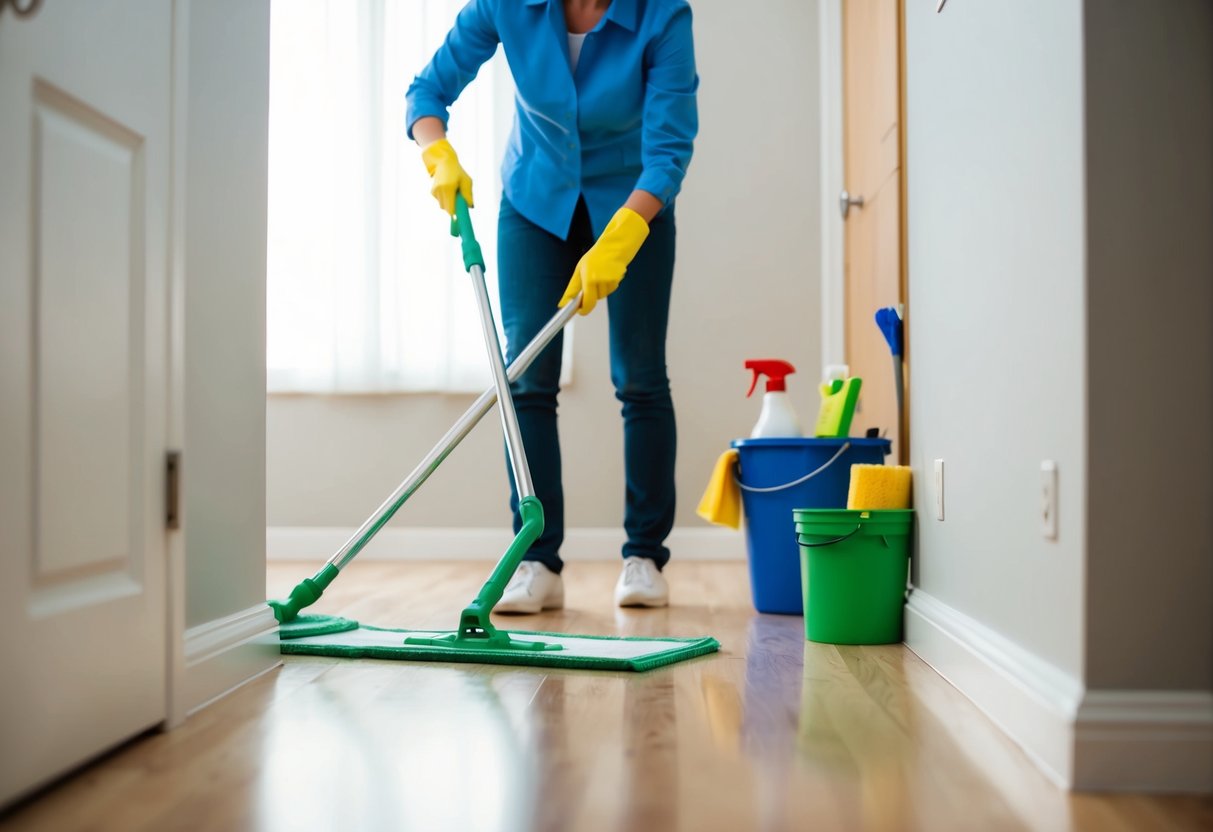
[[366, 288]]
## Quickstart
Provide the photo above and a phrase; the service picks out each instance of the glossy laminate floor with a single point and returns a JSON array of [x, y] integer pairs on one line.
[[772, 733]]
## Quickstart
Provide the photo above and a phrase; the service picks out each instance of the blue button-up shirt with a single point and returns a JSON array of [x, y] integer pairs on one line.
[[625, 119]]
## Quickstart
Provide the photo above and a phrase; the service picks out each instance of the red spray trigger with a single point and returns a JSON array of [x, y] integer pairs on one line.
[[773, 368]]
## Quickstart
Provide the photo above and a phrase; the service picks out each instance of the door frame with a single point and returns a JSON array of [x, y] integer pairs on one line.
[[176, 698], [833, 231], [209, 658], [830, 96]]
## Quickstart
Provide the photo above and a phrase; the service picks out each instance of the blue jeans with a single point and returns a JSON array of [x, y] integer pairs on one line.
[[534, 267]]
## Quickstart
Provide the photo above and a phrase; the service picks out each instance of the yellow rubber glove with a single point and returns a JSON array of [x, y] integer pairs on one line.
[[603, 266], [447, 174]]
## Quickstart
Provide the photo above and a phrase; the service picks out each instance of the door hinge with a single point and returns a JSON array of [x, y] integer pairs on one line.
[[172, 490]]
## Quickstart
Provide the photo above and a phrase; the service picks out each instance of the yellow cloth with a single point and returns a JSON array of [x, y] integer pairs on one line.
[[602, 267], [446, 174], [879, 486], [721, 501]]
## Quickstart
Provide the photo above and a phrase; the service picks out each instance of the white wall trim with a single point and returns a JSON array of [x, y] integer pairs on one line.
[[1100, 740], [436, 543], [833, 288], [1153, 740], [208, 640], [223, 654], [176, 366], [1032, 701]]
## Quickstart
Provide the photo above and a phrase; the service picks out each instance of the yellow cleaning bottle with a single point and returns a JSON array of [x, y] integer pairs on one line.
[[838, 397]]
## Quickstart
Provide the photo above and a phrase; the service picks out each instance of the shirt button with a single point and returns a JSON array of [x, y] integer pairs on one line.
[[572, 146]]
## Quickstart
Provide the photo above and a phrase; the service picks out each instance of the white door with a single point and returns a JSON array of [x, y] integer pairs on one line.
[[84, 183]]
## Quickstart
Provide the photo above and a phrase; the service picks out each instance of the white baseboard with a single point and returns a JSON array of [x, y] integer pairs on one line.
[[434, 543], [1032, 701], [1084, 740], [1151, 740], [223, 654]]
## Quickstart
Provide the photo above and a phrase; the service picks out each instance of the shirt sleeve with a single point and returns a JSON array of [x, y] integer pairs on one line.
[[472, 41], [671, 116]]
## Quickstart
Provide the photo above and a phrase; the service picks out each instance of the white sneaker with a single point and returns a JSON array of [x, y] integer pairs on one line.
[[641, 585], [533, 588]]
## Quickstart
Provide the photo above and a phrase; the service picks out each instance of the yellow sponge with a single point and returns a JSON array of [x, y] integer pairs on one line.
[[879, 486]]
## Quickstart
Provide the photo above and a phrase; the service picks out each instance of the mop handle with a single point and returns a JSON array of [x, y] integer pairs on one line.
[[458, 431], [474, 262], [309, 590]]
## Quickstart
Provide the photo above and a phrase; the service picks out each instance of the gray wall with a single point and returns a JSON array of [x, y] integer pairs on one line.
[[747, 285], [225, 232], [996, 307], [1150, 343]]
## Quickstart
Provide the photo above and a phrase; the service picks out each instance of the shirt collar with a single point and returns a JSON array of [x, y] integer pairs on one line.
[[620, 12], [623, 13]]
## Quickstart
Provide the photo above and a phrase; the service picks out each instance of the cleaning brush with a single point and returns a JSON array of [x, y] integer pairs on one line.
[[889, 322]]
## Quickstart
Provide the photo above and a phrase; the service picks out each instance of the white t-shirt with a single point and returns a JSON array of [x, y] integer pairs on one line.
[[575, 42]]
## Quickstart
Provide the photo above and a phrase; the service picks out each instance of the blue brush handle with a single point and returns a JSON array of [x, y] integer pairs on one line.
[[890, 324]]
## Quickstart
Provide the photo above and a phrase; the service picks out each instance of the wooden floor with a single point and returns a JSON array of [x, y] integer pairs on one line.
[[773, 733]]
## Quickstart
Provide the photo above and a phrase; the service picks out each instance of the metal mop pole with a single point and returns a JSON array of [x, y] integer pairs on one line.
[[476, 630], [310, 589]]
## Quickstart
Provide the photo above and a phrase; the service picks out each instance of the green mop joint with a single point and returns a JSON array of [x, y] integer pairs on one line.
[[306, 593], [476, 631]]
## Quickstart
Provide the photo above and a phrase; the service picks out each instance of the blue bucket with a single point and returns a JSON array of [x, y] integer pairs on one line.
[[777, 476]]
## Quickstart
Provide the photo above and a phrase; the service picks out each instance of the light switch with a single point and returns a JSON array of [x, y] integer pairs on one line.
[[939, 489], [1048, 499]]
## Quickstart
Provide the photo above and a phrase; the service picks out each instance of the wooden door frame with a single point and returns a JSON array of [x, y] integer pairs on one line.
[[905, 232], [833, 231]]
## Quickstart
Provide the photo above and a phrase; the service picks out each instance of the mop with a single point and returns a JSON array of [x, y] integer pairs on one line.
[[476, 639]]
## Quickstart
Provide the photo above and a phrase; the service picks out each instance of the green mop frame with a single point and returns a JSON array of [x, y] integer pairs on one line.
[[476, 636]]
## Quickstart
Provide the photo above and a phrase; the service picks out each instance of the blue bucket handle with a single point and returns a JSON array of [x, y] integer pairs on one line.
[[766, 490]]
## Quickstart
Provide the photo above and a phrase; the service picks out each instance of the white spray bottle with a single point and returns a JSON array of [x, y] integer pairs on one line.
[[778, 418]]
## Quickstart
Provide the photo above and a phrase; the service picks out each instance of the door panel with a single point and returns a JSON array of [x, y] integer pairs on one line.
[[872, 165], [84, 181], [88, 228]]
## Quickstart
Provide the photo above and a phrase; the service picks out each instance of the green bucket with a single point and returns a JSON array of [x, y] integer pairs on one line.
[[853, 570]]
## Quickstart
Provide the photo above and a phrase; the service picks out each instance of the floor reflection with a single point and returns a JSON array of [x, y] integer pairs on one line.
[[650, 748], [394, 748], [772, 687], [853, 729]]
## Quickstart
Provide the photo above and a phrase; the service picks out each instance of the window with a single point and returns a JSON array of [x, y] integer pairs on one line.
[[366, 288]]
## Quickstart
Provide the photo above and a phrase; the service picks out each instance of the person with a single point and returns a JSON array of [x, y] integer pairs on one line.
[[605, 119]]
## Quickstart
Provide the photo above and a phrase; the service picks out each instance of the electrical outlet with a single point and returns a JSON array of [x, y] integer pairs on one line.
[[939, 489], [1048, 499]]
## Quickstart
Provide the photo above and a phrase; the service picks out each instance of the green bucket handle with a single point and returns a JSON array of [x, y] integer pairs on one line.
[[883, 539], [835, 540]]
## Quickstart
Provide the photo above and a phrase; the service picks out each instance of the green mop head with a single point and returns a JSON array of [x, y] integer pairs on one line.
[[322, 635], [476, 640]]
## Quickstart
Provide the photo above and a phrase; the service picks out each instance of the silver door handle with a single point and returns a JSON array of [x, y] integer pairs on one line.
[[845, 201]]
